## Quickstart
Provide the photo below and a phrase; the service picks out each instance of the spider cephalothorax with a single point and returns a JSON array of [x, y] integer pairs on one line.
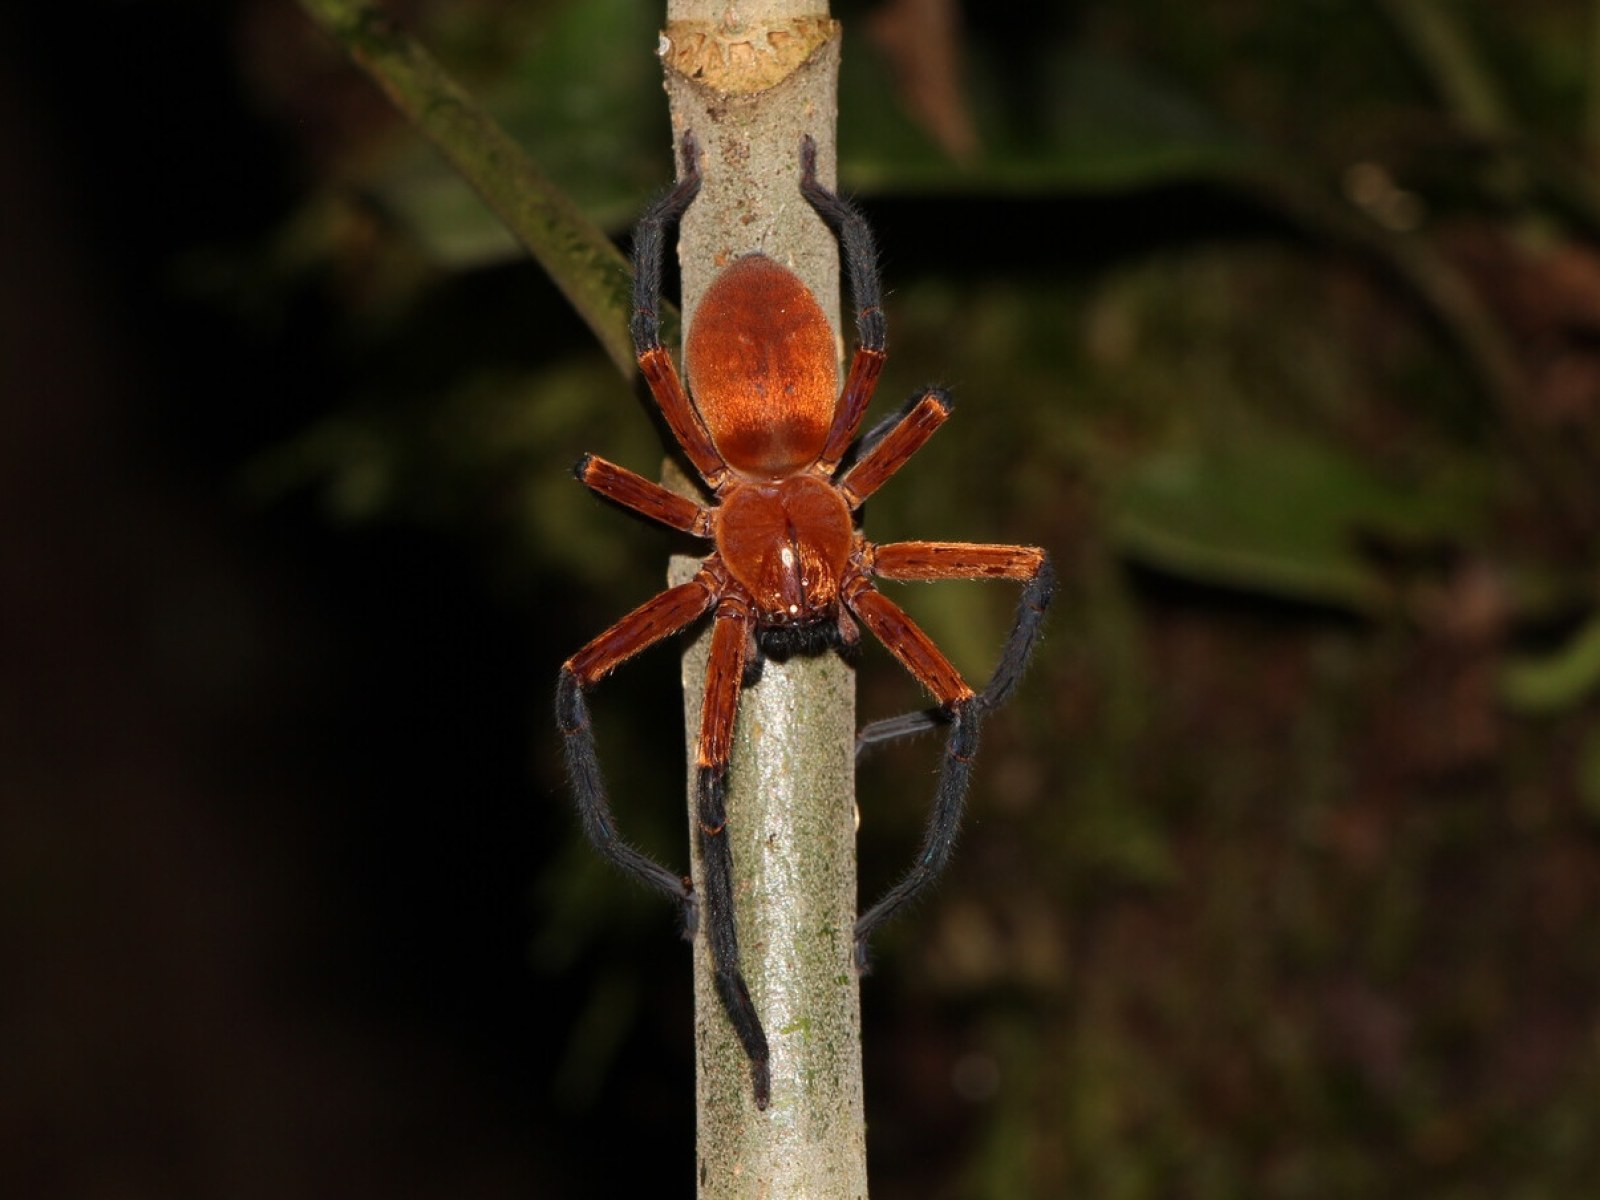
[[789, 572]]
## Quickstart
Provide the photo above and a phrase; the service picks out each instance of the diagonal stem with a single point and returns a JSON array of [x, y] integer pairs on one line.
[[574, 252]]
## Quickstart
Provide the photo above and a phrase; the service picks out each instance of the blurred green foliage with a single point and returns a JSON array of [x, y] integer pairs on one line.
[[1280, 325]]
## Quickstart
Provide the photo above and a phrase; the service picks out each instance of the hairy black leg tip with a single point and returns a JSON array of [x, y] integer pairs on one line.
[[863, 958], [569, 701], [761, 1084]]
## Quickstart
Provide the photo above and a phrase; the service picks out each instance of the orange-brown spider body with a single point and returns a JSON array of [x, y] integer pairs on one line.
[[789, 572], [788, 543], [761, 368]]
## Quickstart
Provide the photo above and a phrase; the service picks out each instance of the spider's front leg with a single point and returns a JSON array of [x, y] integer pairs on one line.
[[730, 640], [655, 364], [860, 256]]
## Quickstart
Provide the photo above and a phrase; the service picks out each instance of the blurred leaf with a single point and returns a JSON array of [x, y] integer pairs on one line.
[[1277, 514], [450, 221], [1116, 125], [595, 123], [1558, 681], [576, 255], [1102, 125]]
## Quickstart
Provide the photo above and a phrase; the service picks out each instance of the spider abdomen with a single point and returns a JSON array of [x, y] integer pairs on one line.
[[788, 543], [762, 367]]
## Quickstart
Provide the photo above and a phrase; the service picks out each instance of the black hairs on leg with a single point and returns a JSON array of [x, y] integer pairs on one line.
[[649, 245], [964, 721], [856, 245], [943, 825], [1014, 657], [1023, 638], [717, 860], [589, 791]]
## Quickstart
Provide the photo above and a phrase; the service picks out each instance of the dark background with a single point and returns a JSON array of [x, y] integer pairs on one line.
[[1278, 324]]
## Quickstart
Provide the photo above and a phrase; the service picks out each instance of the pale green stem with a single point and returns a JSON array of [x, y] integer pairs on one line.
[[791, 793]]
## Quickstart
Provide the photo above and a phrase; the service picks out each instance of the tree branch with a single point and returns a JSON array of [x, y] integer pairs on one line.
[[750, 79]]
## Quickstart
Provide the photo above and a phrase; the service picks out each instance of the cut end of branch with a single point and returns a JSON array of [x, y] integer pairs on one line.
[[739, 58]]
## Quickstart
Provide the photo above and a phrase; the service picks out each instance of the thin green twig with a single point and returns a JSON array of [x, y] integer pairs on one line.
[[574, 252]]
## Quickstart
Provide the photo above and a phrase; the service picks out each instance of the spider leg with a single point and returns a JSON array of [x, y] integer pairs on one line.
[[656, 619], [878, 431], [892, 729], [860, 256], [643, 496], [908, 434], [957, 560], [649, 247], [859, 250], [730, 640], [961, 707]]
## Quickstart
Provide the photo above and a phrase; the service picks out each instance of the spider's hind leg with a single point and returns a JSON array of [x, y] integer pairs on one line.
[[730, 640], [894, 729], [944, 823], [961, 709], [711, 785], [1008, 671]]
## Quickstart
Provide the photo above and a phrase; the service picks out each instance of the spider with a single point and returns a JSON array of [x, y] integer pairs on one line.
[[789, 572]]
